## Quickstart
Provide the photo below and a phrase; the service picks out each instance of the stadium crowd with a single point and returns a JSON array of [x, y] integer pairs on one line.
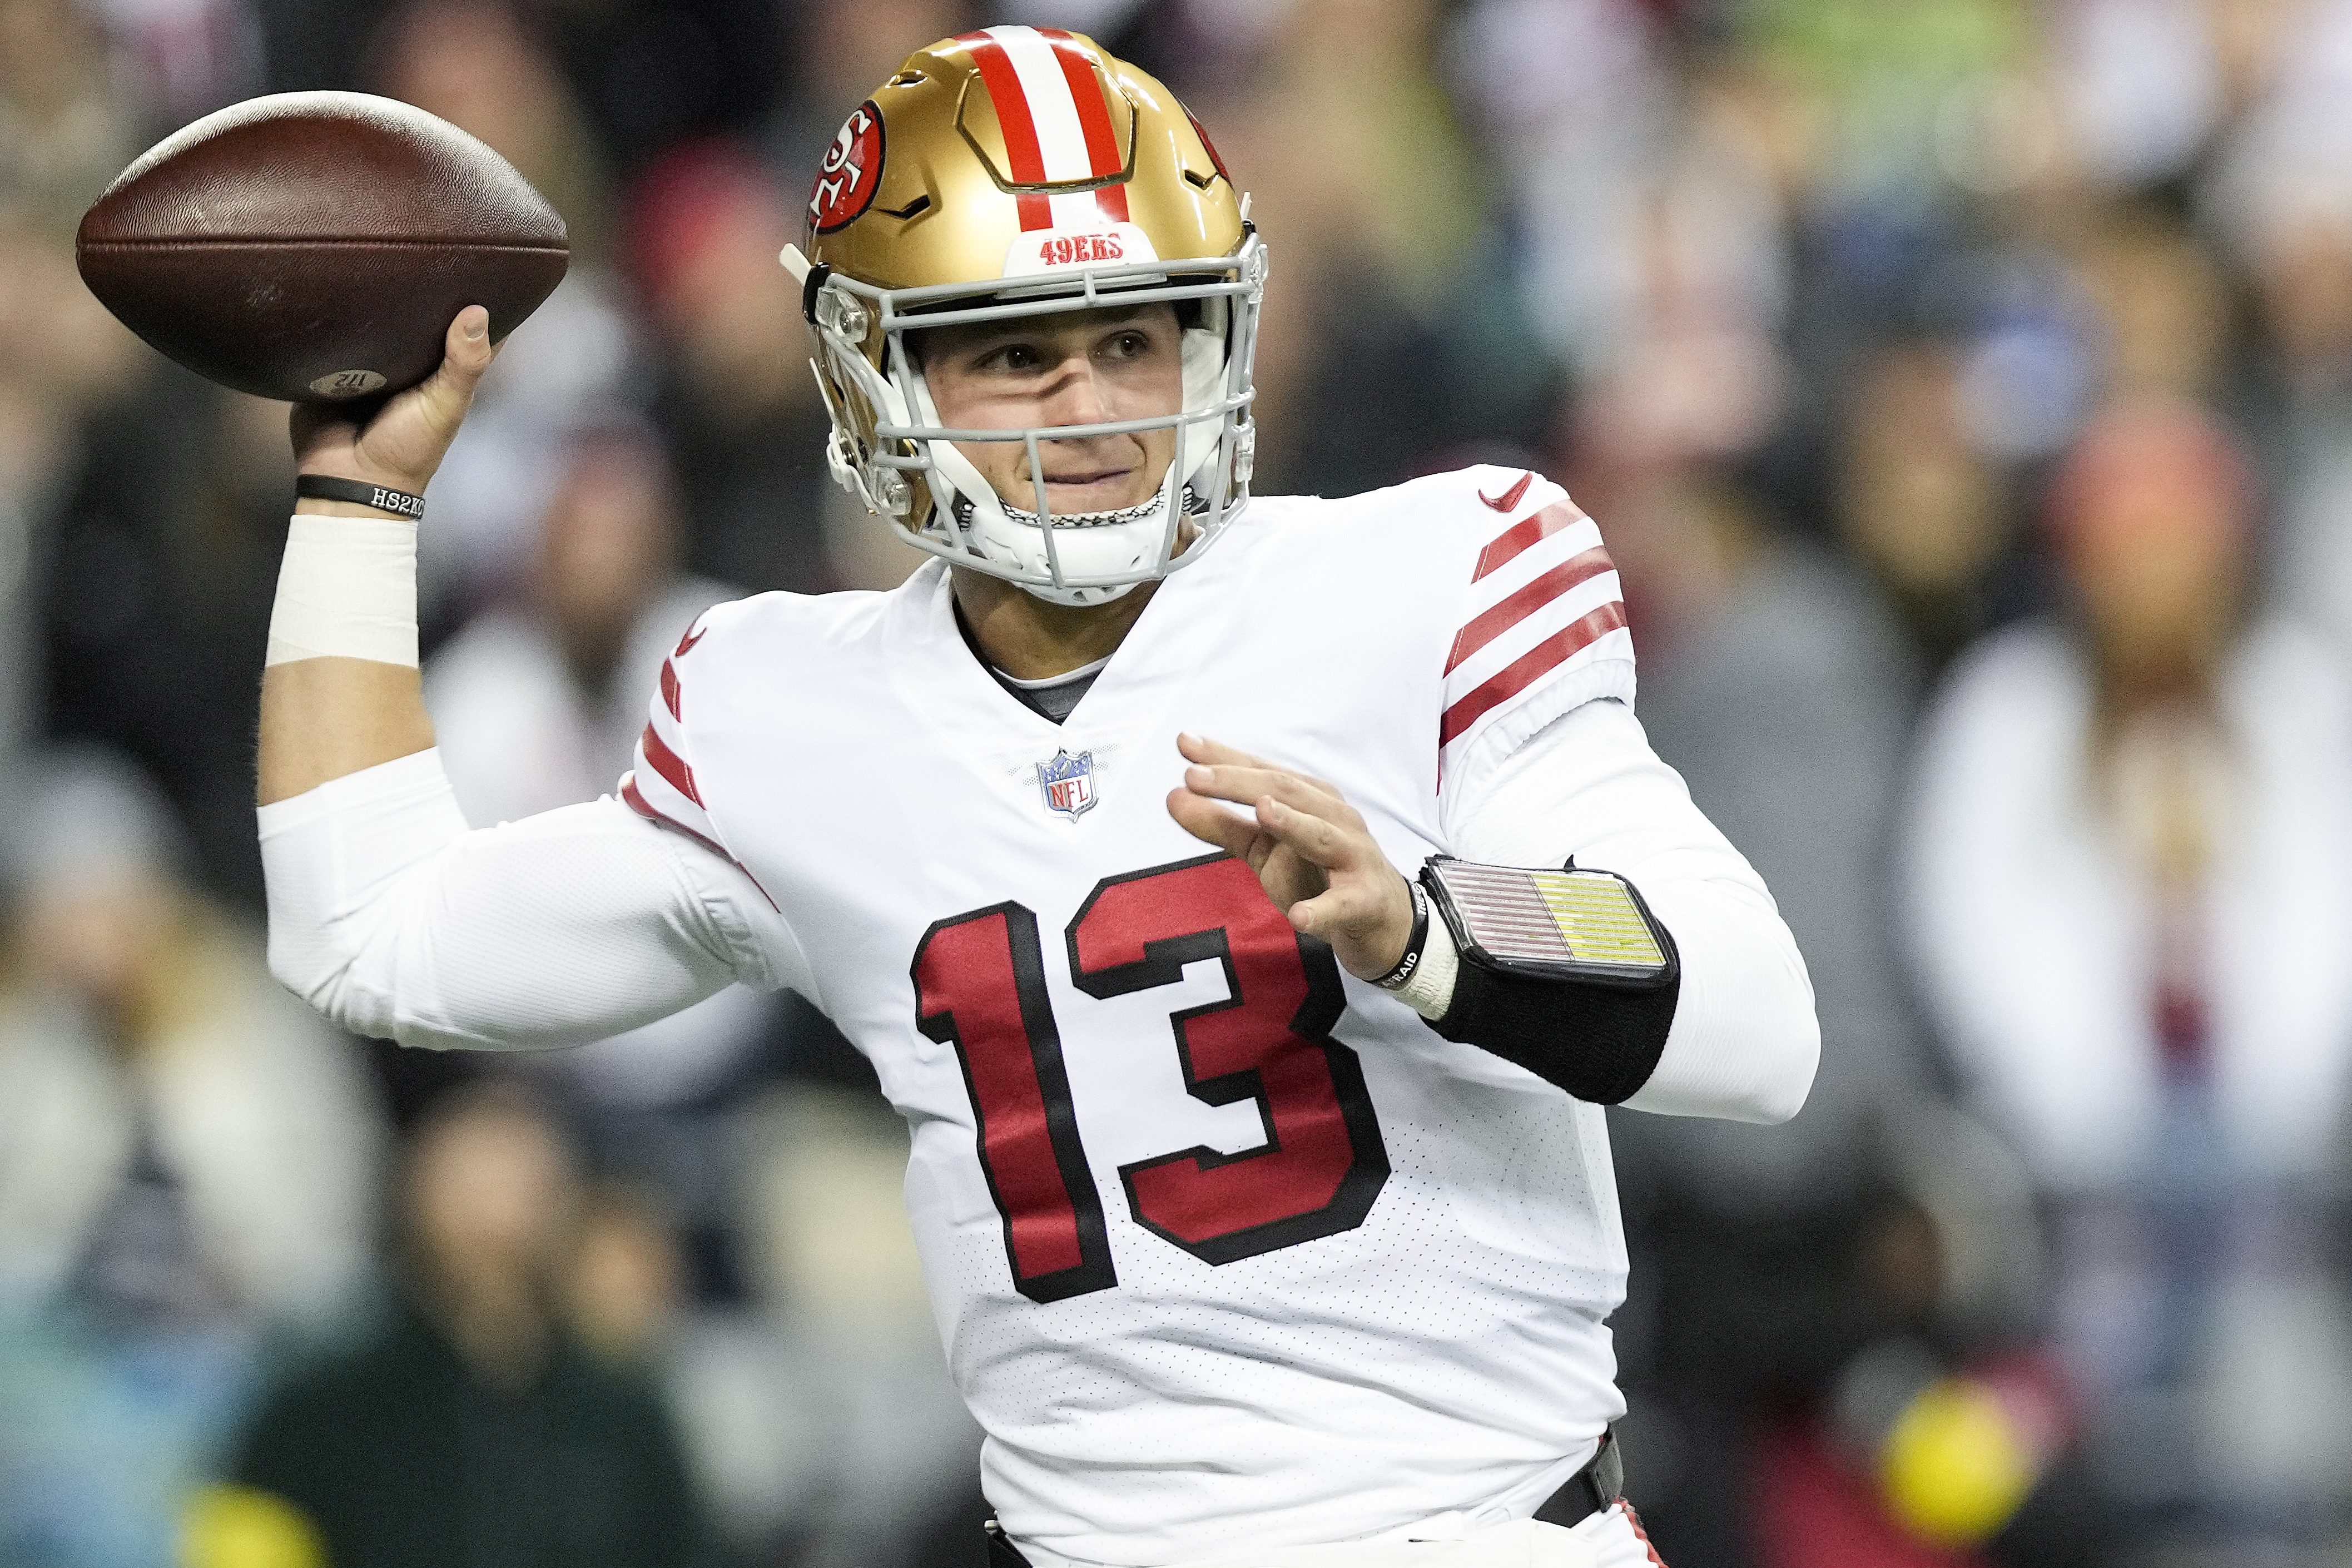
[[1965, 389]]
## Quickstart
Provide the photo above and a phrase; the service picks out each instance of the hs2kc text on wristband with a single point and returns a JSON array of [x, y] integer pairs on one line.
[[319, 487]]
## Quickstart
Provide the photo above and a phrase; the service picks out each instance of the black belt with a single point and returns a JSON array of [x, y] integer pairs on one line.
[[1590, 1490]]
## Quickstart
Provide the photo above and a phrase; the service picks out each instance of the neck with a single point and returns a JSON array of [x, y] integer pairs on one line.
[[1031, 639]]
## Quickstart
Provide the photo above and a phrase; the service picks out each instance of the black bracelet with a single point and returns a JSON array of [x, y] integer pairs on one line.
[[319, 487], [1395, 978]]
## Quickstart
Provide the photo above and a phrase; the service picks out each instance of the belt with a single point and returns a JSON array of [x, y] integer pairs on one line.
[[1590, 1490]]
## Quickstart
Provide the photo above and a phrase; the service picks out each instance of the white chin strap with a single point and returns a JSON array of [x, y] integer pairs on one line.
[[1094, 544]]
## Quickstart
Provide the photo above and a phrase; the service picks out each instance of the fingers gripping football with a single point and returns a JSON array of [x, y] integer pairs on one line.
[[402, 443], [1311, 849]]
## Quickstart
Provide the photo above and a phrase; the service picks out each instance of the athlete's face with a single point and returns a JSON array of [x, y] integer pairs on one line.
[[1080, 367]]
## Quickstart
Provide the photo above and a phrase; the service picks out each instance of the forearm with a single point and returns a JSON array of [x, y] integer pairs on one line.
[[341, 692], [329, 714], [386, 913], [1743, 1042]]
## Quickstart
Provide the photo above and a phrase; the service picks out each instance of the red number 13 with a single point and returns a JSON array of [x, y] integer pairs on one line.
[[979, 984]]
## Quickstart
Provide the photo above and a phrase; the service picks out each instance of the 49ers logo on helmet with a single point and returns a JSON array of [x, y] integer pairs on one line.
[[1076, 249], [851, 172]]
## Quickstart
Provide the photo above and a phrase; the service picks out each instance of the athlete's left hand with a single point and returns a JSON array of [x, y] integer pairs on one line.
[[1308, 846]]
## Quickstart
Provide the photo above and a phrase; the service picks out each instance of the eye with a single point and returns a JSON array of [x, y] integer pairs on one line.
[[1011, 356], [1128, 346]]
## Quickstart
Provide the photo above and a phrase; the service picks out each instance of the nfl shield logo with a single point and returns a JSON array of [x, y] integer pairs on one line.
[[1067, 782]]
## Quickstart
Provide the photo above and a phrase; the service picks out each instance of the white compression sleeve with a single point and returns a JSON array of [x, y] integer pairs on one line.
[[1745, 1040], [393, 918]]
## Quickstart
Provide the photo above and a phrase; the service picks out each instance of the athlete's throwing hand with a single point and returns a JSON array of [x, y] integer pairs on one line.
[[1308, 846], [402, 443]]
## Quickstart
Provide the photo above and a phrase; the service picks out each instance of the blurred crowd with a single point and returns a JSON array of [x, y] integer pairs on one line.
[[1965, 389]]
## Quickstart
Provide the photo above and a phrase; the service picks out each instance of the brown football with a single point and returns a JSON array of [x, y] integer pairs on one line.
[[314, 246]]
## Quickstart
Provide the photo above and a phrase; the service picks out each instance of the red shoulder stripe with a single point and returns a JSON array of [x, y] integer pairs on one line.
[[1505, 614], [637, 802], [1527, 669], [672, 697], [670, 765], [642, 808], [1528, 530]]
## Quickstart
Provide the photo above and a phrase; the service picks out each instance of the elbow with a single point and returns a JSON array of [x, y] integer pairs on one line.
[[1787, 1042], [356, 985], [1752, 1062], [324, 970], [1769, 1088], [1747, 1040], [310, 963], [1795, 1051]]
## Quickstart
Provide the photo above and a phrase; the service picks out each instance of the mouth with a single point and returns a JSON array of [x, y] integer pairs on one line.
[[1090, 489], [1086, 476]]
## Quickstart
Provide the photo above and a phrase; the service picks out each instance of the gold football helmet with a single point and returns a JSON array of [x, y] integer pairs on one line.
[[1019, 171]]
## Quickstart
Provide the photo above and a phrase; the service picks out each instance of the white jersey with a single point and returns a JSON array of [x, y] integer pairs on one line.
[[1214, 1232], [1228, 1248]]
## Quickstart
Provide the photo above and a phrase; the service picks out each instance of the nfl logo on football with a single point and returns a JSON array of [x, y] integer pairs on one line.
[[1068, 783]]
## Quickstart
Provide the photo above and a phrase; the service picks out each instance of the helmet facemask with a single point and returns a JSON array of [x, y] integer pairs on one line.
[[890, 449]]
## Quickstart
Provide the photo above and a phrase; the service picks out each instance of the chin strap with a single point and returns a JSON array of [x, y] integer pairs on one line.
[[1192, 504]]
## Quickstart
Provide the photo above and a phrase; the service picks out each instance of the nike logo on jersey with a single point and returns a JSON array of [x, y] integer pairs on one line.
[[1509, 497]]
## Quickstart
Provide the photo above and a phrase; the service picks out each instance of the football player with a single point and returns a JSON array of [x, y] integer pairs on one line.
[[1249, 903]]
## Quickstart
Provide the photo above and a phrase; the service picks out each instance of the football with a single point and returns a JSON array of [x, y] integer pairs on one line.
[[314, 246]]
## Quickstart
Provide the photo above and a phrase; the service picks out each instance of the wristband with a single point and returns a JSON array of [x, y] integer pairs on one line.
[[1430, 991], [1394, 980], [320, 487], [1565, 972]]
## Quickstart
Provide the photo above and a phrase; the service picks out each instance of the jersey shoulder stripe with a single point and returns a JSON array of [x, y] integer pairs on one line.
[[1496, 619], [672, 697], [1540, 623], [1527, 669], [672, 768], [1506, 546], [661, 786], [635, 798]]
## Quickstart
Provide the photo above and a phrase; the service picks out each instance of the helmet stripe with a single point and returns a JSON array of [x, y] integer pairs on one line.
[[1052, 108], [1013, 116], [1058, 128], [1093, 121]]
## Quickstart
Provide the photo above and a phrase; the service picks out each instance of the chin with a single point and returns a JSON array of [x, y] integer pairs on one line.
[[1065, 505]]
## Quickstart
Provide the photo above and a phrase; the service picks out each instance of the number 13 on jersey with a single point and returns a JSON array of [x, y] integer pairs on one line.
[[979, 986]]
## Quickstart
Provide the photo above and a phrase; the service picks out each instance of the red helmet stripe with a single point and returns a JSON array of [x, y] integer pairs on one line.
[[1094, 120], [1020, 127]]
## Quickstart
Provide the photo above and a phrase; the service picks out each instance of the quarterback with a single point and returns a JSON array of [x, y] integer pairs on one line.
[[1250, 903]]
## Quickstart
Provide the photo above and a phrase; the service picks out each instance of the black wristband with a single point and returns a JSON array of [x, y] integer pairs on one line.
[[319, 487], [1395, 978]]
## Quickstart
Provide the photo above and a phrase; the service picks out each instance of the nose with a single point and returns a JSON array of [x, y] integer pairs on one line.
[[1077, 395]]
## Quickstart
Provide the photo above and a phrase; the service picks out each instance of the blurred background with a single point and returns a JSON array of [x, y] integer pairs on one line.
[[1965, 387]]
